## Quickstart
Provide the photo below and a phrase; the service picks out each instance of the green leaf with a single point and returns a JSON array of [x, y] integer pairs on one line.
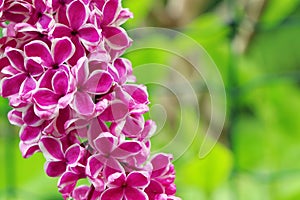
[[276, 11], [210, 172]]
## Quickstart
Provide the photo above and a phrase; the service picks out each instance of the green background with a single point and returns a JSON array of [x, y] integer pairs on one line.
[[256, 47]]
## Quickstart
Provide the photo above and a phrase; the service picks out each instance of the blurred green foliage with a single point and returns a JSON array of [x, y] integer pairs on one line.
[[257, 154]]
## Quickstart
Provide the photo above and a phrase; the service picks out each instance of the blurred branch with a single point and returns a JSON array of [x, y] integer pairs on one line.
[[253, 10]]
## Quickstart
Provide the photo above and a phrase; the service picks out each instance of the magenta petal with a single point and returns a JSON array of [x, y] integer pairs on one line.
[[39, 49], [45, 21], [16, 58], [110, 10], [33, 67], [73, 154], [112, 194], [28, 149], [30, 134], [112, 166], [89, 33], [116, 37], [116, 111], [60, 83], [81, 71], [40, 5], [138, 179], [96, 127], [127, 149], [28, 86], [116, 180], [52, 148], [136, 194], [77, 14], [11, 86], [46, 79], [154, 188], [105, 143], [81, 192], [45, 98], [160, 162], [63, 49], [83, 103], [94, 166], [60, 121], [99, 82], [79, 51], [61, 30], [67, 182], [55, 168], [30, 117], [15, 117], [134, 124], [137, 92]]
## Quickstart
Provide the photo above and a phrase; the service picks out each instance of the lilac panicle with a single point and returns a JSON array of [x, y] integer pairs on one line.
[[76, 100]]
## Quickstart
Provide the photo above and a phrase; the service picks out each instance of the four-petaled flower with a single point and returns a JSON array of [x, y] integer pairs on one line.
[[128, 187]]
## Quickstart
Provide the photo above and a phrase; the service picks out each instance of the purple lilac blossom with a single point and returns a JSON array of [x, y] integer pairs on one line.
[[76, 100]]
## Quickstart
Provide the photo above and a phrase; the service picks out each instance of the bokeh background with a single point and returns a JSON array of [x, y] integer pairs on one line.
[[255, 45]]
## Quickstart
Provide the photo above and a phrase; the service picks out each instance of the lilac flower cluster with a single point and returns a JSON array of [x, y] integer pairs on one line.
[[75, 99]]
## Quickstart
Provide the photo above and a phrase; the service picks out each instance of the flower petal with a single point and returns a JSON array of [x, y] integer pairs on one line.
[[112, 166], [117, 110], [137, 92], [61, 30], [137, 179], [79, 51], [67, 182], [83, 103], [154, 188], [112, 194], [136, 194], [126, 149], [116, 180], [60, 83], [110, 11], [116, 37], [160, 163], [45, 21], [16, 58], [55, 168], [62, 50], [73, 154], [46, 98], [51, 148], [94, 166], [15, 117], [39, 49], [99, 82], [33, 67], [30, 134], [81, 71], [28, 149], [11, 86], [30, 118], [76, 14], [28, 85], [105, 143], [89, 33], [96, 127]]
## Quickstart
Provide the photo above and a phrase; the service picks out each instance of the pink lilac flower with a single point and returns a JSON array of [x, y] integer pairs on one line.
[[89, 83], [77, 28], [21, 72], [131, 186], [76, 100]]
